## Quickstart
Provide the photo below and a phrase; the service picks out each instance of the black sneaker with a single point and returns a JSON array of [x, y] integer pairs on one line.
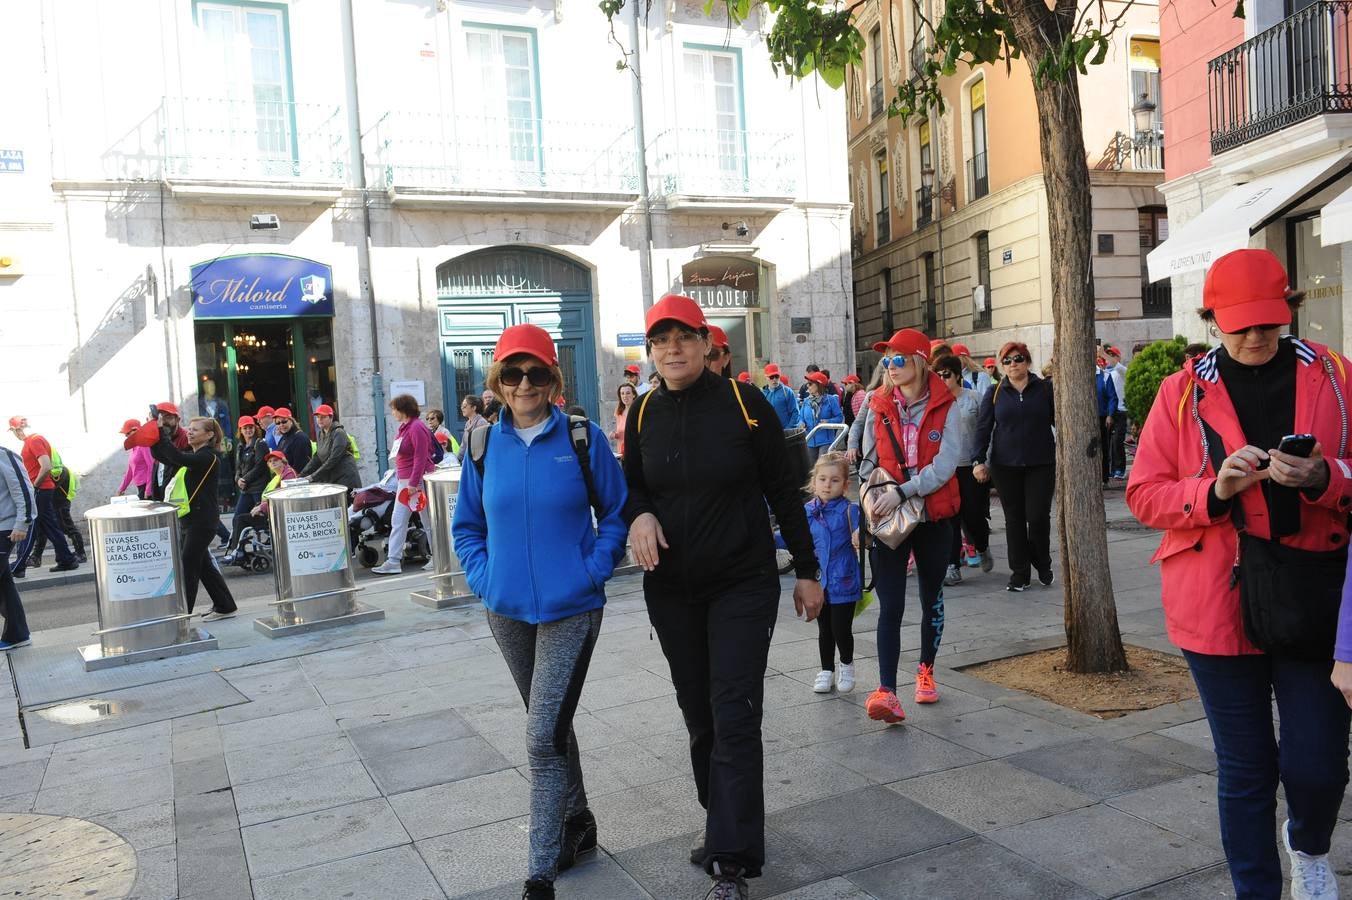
[[81, 558], [697, 853], [1047, 578], [22, 573], [538, 889], [579, 836], [1017, 587], [728, 884], [65, 567], [35, 562]]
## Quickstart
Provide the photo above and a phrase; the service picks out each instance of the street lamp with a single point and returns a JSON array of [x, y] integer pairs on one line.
[[1143, 116], [946, 192]]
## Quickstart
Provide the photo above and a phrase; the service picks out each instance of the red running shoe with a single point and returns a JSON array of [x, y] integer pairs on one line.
[[884, 706], [925, 691]]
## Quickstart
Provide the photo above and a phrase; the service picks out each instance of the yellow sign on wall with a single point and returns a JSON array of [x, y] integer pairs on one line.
[[1145, 54], [924, 133], [978, 91]]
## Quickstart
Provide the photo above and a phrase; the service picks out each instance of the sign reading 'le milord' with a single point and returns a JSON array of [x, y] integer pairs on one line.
[[261, 285], [722, 282]]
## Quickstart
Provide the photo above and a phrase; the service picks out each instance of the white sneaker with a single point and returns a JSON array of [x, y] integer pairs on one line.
[[214, 616], [845, 677], [389, 567], [954, 576], [822, 683], [431, 564], [1311, 876]]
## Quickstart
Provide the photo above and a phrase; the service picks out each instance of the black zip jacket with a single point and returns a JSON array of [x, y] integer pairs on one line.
[[295, 444], [1020, 423], [251, 464], [204, 507], [691, 460]]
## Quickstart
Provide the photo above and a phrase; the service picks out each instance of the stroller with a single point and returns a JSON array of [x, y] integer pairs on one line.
[[368, 526], [255, 548]]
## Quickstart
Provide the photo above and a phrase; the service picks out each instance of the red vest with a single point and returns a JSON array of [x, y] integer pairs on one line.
[[945, 502]]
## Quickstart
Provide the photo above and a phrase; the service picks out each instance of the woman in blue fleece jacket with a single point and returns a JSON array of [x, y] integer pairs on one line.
[[541, 568]]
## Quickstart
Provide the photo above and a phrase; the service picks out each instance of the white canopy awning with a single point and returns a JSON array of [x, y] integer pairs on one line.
[[1226, 224], [1335, 225]]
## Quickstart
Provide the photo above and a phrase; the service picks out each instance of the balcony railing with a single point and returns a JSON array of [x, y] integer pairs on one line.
[[918, 56], [1147, 151], [978, 178], [1297, 69], [883, 227], [1157, 300], [875, 97], [477, 153], [718, 162], [252, 140], [924, 207]]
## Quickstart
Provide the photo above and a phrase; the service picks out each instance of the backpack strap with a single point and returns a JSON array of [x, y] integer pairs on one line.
[[478, 446], [579, 435], [643, 405], [750, 422]]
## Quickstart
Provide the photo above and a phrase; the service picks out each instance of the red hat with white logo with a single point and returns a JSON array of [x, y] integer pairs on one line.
[[907, 341], [265, 411], [988, 361], [771, 369], [852, 379], [532, 340], [276, 454], [961, 350], [167, 407], [678, 308], [718, 337], [1247, 288], [323, 409]]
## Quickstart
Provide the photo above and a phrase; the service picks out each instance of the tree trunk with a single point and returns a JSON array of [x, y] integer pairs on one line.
[[1093, 640]]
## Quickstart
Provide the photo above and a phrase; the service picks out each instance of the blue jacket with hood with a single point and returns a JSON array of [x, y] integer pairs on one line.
[[543, 562], [832, 523]]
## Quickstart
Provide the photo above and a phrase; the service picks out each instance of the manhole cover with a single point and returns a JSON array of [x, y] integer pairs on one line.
[[57, 857], [85, 712]]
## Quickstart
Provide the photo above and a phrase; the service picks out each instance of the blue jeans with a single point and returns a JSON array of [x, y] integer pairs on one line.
[[1309, 757], [930, 541], [48, 524]]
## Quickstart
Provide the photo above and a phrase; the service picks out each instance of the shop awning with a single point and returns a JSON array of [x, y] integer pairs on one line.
[[1227, 224], [1335, 220]]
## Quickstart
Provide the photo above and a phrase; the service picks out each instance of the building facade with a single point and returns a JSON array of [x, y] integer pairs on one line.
[[1263, 146], [232, 203], [950, 208]]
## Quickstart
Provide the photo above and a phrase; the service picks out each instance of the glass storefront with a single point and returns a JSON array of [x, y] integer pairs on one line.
[[728, 289], [1318, 271]]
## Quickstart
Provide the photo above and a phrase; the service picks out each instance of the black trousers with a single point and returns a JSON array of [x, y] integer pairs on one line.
[[200, 568], [61, 507], [835, 626], [1117, 443], [47, 525], [11, 607], [1026, 496], [974, 516], [1105, 448], [717, 649]]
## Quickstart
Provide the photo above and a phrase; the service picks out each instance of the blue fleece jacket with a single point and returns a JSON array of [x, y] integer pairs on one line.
[[828, 411], [785, 403], [1107, 394], [831, 524], [543, 561]]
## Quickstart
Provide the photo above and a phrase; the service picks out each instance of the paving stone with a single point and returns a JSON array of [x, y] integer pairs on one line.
[[874, 812], [408, 770], [156, 874], [197, 743], [349, 662], [370, 876], [643, 815], [645, 717], [389, 707], [102, 795], [783, 691], [830, 889], [625, 765], [1186, 806], [1105, 850], [341, 690], [303, 792], [970, 868], [896, 753], [1178, 752], [276, 729], [1208, 884], [467, 803], [476, 859], [268, 705], [200, 776], [605, 693], [213, 865], [595, 876], [990, 795], [409, 732], [800, 776], [19, 777], [815, 723], [998, 731], [1099, 768], [664, 869], [144, 827], [319, 837], [68, 767], [198, 814], [288, 757], [1197, 733]]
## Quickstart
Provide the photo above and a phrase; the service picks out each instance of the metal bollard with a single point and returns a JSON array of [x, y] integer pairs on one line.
[[449, 588], [143, 613], [316, 584]]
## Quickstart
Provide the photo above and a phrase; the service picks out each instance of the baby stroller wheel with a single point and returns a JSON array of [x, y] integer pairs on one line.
[[260, 564], [370, 555]]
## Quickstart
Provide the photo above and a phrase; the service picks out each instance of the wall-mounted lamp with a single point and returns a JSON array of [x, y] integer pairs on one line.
[[741, 229]]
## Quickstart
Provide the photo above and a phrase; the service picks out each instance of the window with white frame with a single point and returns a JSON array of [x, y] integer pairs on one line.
[[881, 194], [503, 95], [978, 173], [713, 145], [924, 205], [875, 90], [1145, 83]]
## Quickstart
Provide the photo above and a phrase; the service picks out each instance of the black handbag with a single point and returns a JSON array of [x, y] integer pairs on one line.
[[1289, 598]]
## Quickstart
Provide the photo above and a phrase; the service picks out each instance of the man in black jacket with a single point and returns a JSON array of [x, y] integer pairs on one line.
[[703, 457]]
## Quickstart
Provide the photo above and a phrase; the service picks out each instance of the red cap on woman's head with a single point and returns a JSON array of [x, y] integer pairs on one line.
[[532, 340], [907, 341], [130, 425], [852, 379], [718, 337], [744, 377], [1247, 288], [631, 370], [276, 454], [323, 409], [678, 308], [961, 350], [817, 377], [442, 437], [988, 361]]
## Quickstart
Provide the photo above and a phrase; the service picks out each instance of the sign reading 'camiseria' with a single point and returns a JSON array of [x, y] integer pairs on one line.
[[259, 285]]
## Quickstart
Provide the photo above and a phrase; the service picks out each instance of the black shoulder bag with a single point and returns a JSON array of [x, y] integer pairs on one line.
[[1289, 598]]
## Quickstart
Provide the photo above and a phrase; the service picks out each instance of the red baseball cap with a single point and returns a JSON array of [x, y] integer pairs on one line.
[[907, 341], [988, 361], [744, 377], [283, 413], [1113, 350], [631, 369], [442, 437], [146, 434], [718, 337], [678, 308], [17, 421], [323, 409], [264, 411], [167, 407], [276, 454], [771, 369], [961, 350], [246, 420], [852, 379], [1246, 288], [531, 340], [818, 377], [127, 427]]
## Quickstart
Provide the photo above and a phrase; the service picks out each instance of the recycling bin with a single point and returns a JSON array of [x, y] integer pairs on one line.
[[316, 585], [143, 613], [449, 588]]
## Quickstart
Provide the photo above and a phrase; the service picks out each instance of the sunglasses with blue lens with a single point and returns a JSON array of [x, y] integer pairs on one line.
[[890, 361]]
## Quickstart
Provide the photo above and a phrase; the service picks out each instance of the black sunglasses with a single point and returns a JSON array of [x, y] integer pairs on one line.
[[1015, 358], [538, 376], [946, 375]]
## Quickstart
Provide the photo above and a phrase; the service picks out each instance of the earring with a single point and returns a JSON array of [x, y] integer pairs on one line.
[[1213, 331]]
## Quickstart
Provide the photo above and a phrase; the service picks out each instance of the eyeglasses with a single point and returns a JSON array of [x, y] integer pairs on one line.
[[945, 375], [686, 339], [1014, 358], [899, 361], [538, 376]]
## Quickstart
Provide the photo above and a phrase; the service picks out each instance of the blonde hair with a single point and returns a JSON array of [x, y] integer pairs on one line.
[[494, 378], [826, 461], [212, 427]]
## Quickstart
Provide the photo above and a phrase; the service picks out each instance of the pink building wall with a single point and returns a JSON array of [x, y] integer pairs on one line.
[[1192, 33]]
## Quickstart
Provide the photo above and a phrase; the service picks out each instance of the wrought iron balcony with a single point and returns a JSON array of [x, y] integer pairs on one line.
[[978, 178], [428, 151], [924, 207], [883, 227], [715, 162], [1297, 69], [875, 96], [252, 140]]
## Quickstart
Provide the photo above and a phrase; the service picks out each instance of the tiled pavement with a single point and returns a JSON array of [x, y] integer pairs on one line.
[[390, 762]]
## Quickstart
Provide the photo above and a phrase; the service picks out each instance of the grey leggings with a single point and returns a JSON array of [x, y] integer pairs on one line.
[[549, 663]]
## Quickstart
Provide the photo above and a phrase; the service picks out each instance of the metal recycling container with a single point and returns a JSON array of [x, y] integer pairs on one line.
[[313, 567], [143, 613], [448, 578]]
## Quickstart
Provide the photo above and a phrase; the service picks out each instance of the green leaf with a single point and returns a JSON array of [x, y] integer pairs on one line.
[[834, 76]]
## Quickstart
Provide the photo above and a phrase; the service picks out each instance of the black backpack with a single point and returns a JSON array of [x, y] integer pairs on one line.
[[579, 435]]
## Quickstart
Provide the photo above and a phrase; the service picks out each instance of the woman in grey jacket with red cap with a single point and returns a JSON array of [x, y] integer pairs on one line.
[[332, 462]]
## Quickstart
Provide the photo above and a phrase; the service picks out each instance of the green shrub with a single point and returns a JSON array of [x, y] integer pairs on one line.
[[1147, 369]]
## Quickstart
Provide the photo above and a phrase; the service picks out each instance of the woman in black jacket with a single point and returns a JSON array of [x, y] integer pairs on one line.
[[332, 462], [198, 526], [292, 441], [1016, 421], [251, 466]]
